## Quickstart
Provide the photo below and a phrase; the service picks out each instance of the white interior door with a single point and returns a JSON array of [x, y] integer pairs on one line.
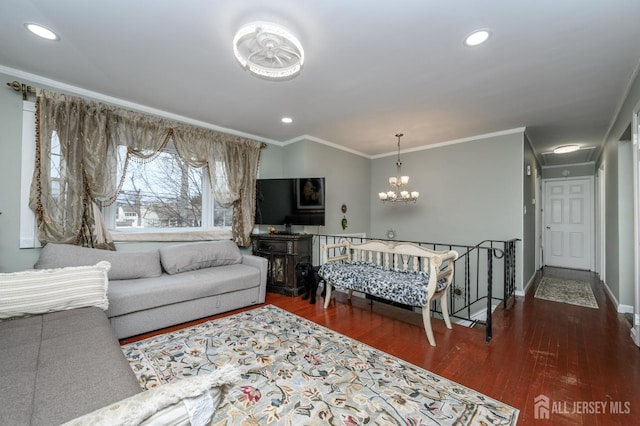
[[568, 220]]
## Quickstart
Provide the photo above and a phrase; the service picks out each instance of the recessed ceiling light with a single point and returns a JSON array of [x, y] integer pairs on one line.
[[477, 37], [41, 31], [287, 120], [565, 149]]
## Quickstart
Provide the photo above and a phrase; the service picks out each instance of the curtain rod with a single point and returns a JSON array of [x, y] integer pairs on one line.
[[21, 87], [26, 90]]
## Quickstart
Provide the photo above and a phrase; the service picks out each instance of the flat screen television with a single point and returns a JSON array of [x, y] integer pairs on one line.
[[290, 201]]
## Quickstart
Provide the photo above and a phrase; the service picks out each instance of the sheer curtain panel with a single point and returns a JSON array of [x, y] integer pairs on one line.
[[76, 165]]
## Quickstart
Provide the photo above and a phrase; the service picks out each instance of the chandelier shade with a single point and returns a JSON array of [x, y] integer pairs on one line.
[[398, 193]]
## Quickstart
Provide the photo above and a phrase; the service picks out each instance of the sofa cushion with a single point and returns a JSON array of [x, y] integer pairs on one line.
[[58, 366], [192, 256], [128, 296], [19, 354], [192, 400], [50, 290], [124, 265]]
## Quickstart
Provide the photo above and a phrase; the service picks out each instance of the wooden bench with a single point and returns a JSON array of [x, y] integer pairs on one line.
[[399, 272]]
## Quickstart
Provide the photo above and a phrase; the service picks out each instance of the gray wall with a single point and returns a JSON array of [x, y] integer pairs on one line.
[[469, 192], [12, 258], [625, 220], [271, 162], [529, 212], [617, 224], [576, 170], [612, 244], [347, 182]]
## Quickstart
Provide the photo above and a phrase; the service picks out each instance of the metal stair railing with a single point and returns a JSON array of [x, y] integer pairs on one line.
[[473, 294]]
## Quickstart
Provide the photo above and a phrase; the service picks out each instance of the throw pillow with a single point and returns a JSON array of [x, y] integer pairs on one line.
[[124, 265], [191, 400], [191, 256], [49, 290]]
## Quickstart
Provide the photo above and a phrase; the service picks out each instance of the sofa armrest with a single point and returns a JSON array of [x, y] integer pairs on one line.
[[262, 264]]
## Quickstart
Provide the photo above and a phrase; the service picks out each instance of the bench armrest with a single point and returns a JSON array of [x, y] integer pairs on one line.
[[329, 252]]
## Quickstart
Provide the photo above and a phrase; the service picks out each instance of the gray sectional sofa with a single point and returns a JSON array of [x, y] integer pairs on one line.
[[153, 289], [58, 366], [67, 362]]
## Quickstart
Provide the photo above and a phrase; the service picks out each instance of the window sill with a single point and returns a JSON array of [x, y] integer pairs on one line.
[[171, 236]]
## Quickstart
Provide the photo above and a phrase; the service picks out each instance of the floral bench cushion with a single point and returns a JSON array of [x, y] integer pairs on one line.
[[406, 287]]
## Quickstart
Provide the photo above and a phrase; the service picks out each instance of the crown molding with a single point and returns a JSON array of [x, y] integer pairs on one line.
[[67, 88], [454, 142], [153, 111]]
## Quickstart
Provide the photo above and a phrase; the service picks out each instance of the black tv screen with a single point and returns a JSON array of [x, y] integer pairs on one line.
[[290, 201]]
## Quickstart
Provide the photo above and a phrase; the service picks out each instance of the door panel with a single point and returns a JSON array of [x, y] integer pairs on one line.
[[568, 223]]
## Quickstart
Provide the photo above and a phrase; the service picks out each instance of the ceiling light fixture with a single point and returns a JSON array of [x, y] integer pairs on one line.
[[566, 148], [268, 51], [398, 182], [477, 37], [41, 31], [287, 120]]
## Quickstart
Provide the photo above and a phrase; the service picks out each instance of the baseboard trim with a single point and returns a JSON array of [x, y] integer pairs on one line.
[[620, 308], [523, 292], [611, 295], [625, 309]]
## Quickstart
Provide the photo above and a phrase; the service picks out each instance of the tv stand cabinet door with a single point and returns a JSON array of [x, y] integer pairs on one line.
[[283, 252]]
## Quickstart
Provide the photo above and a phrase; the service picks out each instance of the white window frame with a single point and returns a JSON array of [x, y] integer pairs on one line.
[[181, 233]]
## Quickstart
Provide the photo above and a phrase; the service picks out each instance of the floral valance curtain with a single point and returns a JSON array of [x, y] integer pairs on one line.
[[70, 177]]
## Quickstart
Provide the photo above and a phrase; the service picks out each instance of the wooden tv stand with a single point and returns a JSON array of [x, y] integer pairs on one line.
[[283, 251]]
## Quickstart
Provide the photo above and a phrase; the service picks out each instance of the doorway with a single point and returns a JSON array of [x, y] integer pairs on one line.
[[568, 223]]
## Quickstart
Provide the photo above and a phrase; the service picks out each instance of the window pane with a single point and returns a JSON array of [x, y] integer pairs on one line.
[[222, 217], [162, 193]]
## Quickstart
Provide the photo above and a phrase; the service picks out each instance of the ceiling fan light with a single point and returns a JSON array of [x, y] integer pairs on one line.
[[268, 51], [565, 149]]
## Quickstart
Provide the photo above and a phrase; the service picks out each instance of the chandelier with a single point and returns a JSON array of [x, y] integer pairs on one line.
[[398, 183]]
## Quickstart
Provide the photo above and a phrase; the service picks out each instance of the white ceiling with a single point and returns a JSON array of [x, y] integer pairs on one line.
[[560, 69]]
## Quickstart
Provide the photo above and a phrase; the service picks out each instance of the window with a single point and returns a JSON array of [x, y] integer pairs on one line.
[[162, 195], [165, 194]]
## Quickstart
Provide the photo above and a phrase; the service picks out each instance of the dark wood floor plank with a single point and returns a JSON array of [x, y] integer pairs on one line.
[[571, 354]]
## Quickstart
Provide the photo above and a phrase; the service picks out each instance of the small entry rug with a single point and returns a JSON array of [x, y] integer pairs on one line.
[[296, 372], [566, 291]]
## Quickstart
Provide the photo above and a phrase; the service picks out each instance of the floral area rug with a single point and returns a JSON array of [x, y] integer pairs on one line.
[[296, 372], [566, 291]]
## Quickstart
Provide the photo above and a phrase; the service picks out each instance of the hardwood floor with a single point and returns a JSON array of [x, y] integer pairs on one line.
[[582, 359]]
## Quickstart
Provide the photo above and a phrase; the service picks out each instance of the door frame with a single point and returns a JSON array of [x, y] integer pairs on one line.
[[539, 204], [601, 228], [590, 209], [635, 132]]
